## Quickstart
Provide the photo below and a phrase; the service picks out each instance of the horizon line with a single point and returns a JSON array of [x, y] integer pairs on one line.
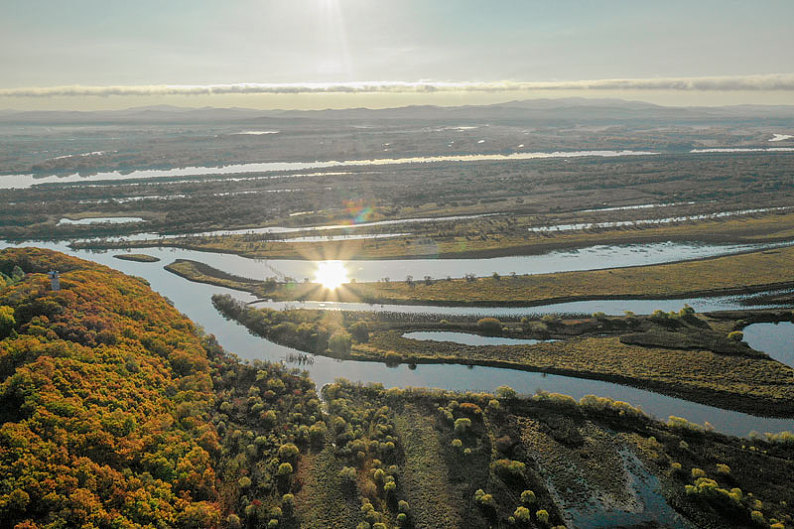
[[753, 83]]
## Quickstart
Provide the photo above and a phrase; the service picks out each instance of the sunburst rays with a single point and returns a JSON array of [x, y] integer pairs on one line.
[[331, 274]]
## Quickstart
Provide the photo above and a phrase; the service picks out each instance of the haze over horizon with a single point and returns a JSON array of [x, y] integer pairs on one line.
[[352, 53]]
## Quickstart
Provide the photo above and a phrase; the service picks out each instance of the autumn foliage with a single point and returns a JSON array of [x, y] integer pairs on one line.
[[104, 401]]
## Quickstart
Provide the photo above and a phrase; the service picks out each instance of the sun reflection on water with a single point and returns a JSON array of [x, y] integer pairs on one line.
[[331, 274]]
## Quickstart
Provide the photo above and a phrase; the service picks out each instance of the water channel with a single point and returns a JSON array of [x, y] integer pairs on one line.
[[601, 256], [775, 339], [23, 181], [466, 338]]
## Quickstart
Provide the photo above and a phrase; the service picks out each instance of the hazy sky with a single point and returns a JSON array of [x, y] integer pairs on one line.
[[147, 44]]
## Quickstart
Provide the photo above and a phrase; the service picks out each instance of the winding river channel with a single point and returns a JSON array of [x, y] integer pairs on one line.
[[397, 269], [193, 300]]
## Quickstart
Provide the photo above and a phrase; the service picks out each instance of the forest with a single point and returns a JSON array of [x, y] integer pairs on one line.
[[118, 412]]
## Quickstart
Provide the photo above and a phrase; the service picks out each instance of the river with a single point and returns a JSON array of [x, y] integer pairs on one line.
[[193, 300], [23, 181], [593, 257]]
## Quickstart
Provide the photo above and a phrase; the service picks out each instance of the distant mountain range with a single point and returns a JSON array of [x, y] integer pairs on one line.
[[538, 111]]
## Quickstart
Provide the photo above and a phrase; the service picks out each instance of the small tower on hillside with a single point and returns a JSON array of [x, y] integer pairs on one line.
[[55, 280]]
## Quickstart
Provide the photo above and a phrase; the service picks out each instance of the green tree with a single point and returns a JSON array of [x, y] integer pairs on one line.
[[288, 452], [340, 342], [7, 321], [317, 432], [360, 331], [489, 325], [348, 475], [508, 468], [17, 274], [484, 500], [522, 515], [18, 500], [528, 497], [462, 425], [288, 504]]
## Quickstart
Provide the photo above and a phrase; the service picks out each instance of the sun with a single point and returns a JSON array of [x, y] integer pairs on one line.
[[331, 274]]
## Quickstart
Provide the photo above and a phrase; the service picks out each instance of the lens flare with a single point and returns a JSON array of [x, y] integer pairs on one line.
[[358, 211], [331, 274]]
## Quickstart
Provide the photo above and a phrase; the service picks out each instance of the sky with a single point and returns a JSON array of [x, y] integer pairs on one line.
[[89, 54]]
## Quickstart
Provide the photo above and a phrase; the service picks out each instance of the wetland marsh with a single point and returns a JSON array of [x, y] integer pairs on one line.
[[606, 318]]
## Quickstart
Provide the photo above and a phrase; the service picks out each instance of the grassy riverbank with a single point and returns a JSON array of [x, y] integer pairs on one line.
[[749, 272], [678, 355], [137, 257], [752, 385], [714, 276], [201, 273], [736, 274]]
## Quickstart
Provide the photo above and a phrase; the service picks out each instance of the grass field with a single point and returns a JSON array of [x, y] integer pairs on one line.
[[321, 501], [138, 257], [489, 237], [724, 275], [425, 473]]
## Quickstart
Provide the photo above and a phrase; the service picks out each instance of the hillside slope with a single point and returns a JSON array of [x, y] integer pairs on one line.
[[104, 399]]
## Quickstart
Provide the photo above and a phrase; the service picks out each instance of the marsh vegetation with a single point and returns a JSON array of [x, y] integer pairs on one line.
[[104, 382]]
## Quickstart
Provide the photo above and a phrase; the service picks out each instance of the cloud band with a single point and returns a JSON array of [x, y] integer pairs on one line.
[[775, 82]]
